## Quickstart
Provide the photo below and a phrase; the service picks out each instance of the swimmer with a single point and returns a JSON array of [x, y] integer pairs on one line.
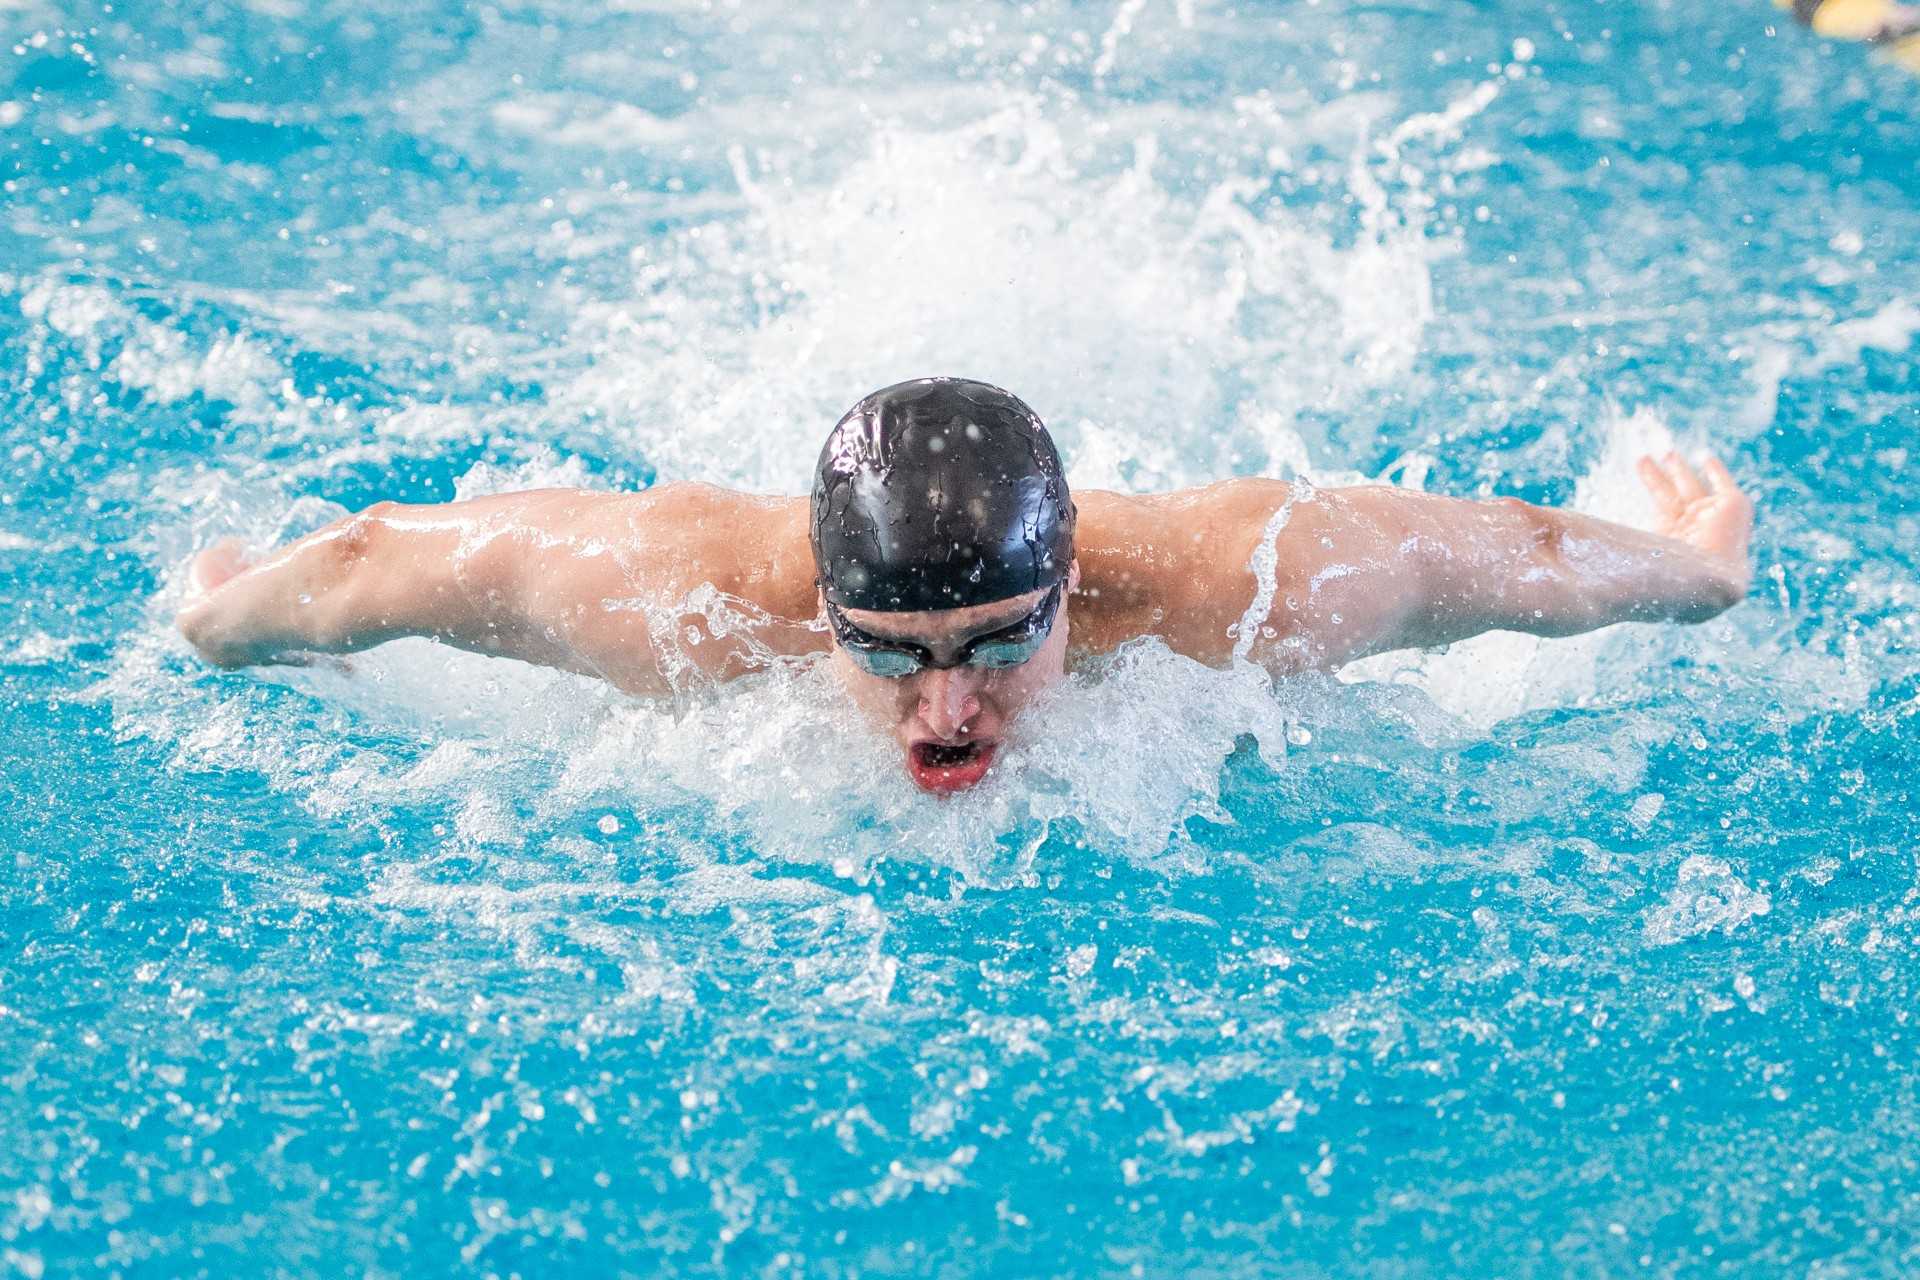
[[951, 576]]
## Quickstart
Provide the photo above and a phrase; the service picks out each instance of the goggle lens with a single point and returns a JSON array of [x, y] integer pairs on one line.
[[891, 662], [1006, 653]]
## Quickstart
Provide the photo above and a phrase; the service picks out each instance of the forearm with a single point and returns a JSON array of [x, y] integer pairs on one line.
[[454, 572], [1552, 572], [330, 592]]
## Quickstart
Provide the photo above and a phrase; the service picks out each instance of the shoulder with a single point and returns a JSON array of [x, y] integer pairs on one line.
[[1171, 564], [1108, 518], [679, 513], [1167, 531], [618, 565]]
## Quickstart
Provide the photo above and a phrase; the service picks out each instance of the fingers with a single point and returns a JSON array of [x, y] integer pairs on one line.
[[1728, 496], [1658, 484], [1719, 477], [1675, 484], [1685, 482], [215, 566]]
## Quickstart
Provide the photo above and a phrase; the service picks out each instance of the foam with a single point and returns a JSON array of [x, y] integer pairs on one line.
[[1175, 304], [1078, 265], [559, 120], [36, 649], [1707, 897], [1891, 329]]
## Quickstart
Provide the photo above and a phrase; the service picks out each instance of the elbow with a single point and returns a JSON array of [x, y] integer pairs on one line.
[[331, 603], [1542, 537], [1547, 597], [357, 537], [1534, 538]]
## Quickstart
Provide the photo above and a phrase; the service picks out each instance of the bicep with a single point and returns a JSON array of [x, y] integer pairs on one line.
[[682, 581], [1288, 576], [1349, 572]]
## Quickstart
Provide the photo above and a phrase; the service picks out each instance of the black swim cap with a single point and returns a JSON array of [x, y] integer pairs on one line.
[[937, 494]]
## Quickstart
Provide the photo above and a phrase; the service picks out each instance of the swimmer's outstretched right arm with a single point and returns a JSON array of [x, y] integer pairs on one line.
[[566, 578], [1354, 571], [1379, 568]]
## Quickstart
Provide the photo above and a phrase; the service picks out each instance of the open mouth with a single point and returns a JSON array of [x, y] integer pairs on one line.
[[946, 767]]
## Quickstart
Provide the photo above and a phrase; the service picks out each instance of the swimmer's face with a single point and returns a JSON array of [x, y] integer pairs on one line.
[[949, 720]]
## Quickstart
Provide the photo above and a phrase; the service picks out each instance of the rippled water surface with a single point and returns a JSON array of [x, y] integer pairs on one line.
[[1594, 957]]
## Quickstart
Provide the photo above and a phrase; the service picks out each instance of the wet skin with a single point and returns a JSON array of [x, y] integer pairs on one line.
[[609, 584], [950, 721]]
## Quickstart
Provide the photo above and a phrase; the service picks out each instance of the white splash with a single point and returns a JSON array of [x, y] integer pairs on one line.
[[1707, 896], [1266, 571], [1033, 248]]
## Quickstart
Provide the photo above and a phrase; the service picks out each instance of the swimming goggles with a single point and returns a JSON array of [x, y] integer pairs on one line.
[[896, 659]]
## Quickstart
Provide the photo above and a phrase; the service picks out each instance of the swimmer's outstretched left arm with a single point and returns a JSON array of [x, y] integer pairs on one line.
[[586, 581], [1438, 570], [1363, 570]]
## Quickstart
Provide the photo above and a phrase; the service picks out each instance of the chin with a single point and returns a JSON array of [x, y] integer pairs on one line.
[[945, 769]]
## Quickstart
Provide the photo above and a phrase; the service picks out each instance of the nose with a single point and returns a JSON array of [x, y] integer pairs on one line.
[[948, 700]]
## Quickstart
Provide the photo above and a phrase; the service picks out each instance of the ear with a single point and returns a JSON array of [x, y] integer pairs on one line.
[[1073, 576]]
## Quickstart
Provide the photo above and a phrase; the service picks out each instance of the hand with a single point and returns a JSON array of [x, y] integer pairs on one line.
[[200, 619], [1710, 515], [212, 568], [209, 626]]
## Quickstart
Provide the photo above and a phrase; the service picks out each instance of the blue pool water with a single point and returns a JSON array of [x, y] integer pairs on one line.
[[1589, 958]]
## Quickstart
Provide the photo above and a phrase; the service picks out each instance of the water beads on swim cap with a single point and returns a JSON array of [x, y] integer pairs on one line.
[[939, 493]]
